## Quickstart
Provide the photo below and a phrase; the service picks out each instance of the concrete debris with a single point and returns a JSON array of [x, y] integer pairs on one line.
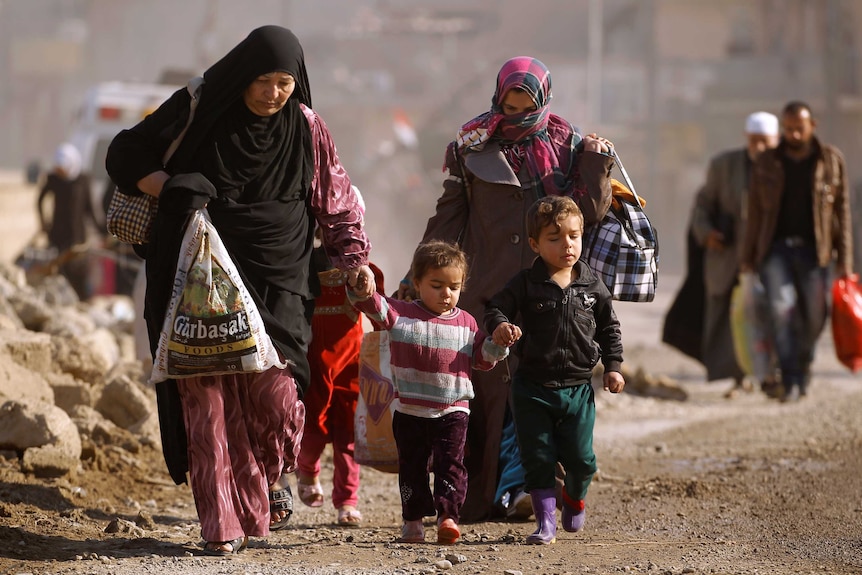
[[44, 433], [649, 385], [69, 378], [125, 403]]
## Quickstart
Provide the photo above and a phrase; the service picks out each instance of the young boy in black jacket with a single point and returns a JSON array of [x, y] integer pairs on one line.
[[568, 325]]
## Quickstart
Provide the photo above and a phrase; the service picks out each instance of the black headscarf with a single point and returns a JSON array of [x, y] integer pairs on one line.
[[273, 155], [254, 175], [260, 169]]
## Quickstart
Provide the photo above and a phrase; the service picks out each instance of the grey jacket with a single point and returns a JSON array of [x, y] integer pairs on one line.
[[720, 206]]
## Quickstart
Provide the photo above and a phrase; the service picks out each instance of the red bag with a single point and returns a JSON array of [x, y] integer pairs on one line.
[[847, 321]]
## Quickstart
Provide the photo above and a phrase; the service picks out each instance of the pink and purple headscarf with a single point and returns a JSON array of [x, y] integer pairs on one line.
[[543, 141]]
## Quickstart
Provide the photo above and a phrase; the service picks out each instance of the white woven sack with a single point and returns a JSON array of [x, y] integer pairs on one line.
[[212, 326]]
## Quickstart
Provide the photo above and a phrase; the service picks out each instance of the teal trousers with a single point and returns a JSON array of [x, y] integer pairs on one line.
[[555, 425]]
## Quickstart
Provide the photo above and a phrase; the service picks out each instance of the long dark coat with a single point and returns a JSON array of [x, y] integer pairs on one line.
[[483, 208]]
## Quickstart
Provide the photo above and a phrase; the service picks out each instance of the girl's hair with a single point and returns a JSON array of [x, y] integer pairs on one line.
[[550, 210], [435, 255]]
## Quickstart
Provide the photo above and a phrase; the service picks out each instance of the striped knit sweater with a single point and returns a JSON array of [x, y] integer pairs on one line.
[[431, 355]]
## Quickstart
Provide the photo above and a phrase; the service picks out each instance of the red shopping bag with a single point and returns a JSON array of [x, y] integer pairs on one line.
[[847, 321]]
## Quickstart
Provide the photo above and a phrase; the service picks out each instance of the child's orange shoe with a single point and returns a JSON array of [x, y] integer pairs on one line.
[[447, 531]]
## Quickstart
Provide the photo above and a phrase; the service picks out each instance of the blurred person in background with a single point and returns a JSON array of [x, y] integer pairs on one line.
[[717, 224], [500, 163], [264, 165], [798, 225], [68, 225]]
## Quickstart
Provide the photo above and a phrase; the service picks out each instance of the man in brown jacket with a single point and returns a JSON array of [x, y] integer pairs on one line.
[[798, 224]]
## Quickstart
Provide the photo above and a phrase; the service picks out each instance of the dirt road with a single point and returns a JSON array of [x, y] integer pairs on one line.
[[703, 486]]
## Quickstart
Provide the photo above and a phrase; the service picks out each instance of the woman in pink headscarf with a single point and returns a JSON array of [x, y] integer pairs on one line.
[[499, 164]]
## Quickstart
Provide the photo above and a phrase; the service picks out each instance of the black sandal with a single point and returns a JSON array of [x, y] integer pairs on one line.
[[236, 546], [280, 500]]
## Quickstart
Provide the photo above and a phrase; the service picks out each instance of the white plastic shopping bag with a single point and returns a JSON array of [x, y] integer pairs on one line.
[[212, 325]]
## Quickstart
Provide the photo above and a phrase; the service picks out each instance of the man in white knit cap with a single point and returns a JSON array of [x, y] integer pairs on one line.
[[718, 225]]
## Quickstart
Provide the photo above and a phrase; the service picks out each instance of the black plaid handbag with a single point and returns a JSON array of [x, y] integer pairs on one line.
[[130, 218], [623, 248]]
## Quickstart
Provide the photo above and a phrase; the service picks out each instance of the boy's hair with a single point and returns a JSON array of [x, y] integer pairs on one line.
[[435, 255], [550, 210]]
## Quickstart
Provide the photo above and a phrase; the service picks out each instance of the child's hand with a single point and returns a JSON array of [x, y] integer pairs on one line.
[[361, 281], [613, 381], [506, 334]]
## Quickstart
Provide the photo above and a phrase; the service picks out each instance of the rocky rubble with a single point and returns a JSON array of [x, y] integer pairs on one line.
[[70, 382], [708, 486]]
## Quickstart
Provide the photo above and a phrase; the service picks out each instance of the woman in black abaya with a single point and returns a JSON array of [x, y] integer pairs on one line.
[[264, 165]]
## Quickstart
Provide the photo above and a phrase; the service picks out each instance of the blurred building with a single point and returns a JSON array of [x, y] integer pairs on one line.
[[669, 81]]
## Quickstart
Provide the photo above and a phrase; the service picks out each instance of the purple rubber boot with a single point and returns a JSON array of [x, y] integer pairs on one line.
[[545, 509], [574, 513]]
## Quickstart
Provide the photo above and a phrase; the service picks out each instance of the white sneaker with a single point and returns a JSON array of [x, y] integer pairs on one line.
[[520, 507]]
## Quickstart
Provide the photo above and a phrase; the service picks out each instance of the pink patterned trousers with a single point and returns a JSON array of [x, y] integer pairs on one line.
[[243, 431]]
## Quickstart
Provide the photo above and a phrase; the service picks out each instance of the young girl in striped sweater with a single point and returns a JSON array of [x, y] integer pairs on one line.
[[434, 347]]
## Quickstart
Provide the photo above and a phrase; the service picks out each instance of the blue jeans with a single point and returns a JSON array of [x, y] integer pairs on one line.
[[796, 289]]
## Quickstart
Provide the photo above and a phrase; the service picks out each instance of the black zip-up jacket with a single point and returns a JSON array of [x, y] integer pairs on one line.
[[565, 331]]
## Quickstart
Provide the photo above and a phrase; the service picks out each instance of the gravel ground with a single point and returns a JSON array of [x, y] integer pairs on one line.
[[706, 485], [703, 486]]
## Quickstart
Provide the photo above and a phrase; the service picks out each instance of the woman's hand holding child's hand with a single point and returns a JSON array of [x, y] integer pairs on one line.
[[361, 281], [613, 381], [506, 334]]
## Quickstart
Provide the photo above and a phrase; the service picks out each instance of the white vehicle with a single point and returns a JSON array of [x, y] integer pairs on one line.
[[108, 108]]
